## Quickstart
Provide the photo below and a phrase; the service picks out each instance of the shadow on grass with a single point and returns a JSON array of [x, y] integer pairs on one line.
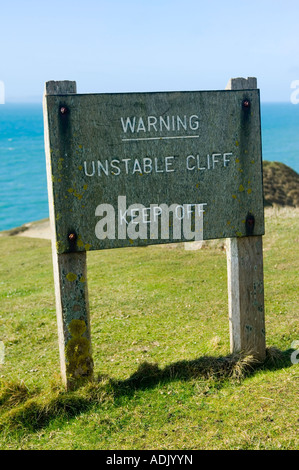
[[24, 409], [234, 367]]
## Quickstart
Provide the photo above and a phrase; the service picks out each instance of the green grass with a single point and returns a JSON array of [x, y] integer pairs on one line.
[[165, 378]]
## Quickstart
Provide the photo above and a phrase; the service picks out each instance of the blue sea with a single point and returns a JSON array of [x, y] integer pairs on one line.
[[23, 182]]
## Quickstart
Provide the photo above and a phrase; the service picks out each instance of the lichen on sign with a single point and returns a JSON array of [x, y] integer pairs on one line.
[[78, 353]]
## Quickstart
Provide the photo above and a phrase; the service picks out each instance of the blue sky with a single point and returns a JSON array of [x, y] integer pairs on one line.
[[148, 45]]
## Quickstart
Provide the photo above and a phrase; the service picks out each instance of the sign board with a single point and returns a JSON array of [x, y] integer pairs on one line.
[[145, 168]]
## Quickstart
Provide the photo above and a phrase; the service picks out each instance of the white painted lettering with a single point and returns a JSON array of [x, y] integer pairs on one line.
[[169, 164], [187, 162], [137, 167], [156, 211], [151, 122], [164, 123], [198, 164], [146, 215], [93, 169], [181, 210], [133, 215], [141, 126], [101, 168], [128, 123], [143, 218], [214, 155], [126, 160], [173, 123], [189, 209], [209, 165], [182, 123], [226, 160], [147, 165], [117, 172], [194, 122], [156, 167]]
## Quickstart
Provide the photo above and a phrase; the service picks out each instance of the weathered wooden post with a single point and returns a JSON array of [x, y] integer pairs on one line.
[[69, 268], [245, 276]]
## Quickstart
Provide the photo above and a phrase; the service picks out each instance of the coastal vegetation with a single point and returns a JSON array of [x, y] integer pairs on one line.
[[164, 375]]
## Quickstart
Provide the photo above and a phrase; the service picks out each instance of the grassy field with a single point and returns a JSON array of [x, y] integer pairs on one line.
[[160, 334]]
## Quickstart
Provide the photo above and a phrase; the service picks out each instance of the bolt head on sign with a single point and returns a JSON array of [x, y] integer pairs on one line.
[[132, 169]]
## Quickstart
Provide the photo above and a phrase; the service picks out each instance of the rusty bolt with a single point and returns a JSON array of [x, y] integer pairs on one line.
[[249, 224], [63, 110], [72, 237], [246, 103]]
